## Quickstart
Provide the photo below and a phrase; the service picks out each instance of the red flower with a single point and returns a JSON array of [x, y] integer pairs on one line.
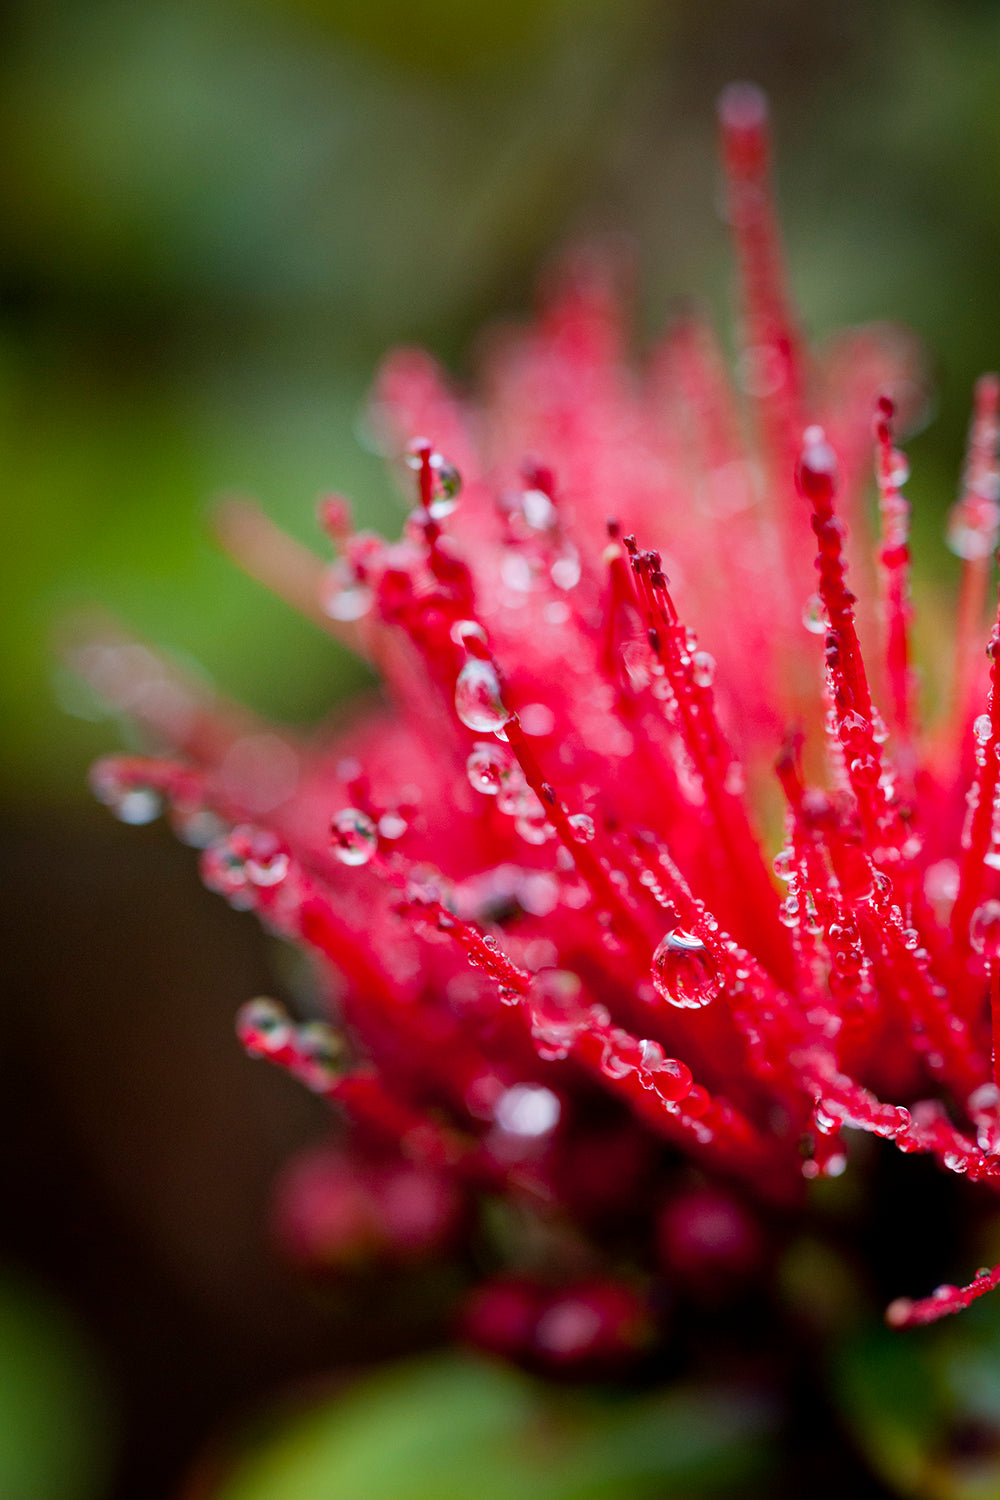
[[539, 880]]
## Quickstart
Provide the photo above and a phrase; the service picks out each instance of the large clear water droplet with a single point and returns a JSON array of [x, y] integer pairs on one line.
[[477, 697], [353, 836], [684, 972]]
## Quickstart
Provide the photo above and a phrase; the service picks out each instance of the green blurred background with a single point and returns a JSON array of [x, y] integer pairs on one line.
[[214, 218]]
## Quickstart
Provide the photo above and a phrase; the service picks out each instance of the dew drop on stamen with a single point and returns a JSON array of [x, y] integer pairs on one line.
[[899, 471], [703, 669], [534, 828], [557, 1010], [784, 865], [853, 730], [320, 1050], [684, 972], [566, 572], [814, 615], [264, 1027], [448, 484], [488, 768], [583, 827], [623, 1054], [344, 597], [477, 697], [468, 632], [865, 770], [982, 728], [984, 929], [267, 859], [353, 836], [130, 801]]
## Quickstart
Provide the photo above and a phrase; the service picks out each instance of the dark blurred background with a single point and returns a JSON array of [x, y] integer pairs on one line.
[[214, 218]]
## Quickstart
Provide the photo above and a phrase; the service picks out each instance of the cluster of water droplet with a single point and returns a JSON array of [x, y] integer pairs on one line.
[[493, 771], [558, 1012], [535, 551], [245, 861], [311, 1050]]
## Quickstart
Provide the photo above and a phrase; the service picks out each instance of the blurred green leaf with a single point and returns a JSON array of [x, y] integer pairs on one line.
[[453, 1427], [53, 1420], [924, 1405]]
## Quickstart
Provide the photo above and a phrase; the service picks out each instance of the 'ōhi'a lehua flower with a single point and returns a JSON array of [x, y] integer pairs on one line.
[[535, 880]]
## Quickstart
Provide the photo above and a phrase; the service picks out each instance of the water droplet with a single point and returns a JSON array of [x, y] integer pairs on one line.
[[468, 632], [984, 929], [537, 720], [489, 767], [684, 972], [264, 1027], [343, 596], [320, 1052], [130, 801], [784, 865], [982, 728], [865, 770], [353, 836], [534, 827], [788, 912], [622, 1055], [703, 669], [566, 571], [539, 512], [392, 825], [899, 467], [263, 855], [558, 1013], [196, 826], [583, 827], [477, 697], [854, 730], [528, 1109], [814, 615], [653, 1055], [448, 486], [972, 534], [518, 572], [672, 1080]]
